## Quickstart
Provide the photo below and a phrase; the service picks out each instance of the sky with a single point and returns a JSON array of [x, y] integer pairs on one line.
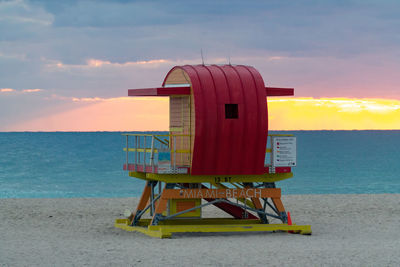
[[67, 65]]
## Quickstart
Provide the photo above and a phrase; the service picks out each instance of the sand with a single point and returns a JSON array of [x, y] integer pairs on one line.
[[355, 230]]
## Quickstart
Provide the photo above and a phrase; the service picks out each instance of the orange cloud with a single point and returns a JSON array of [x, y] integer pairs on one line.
[[6, 90], [148, 113], [31, 90]]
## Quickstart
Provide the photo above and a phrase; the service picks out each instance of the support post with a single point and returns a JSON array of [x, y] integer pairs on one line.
[[136, 152], [161, 205], [127, 152], [174, 137], [133, 219], [152, 198], [144, 154], [152, 154], [257, 204], [280, 208]]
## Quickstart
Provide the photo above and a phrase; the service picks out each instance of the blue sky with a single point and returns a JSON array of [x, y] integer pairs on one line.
[[85, 49]]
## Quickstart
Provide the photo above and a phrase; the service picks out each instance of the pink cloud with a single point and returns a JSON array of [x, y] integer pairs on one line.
[[31, 90], [6, 90]]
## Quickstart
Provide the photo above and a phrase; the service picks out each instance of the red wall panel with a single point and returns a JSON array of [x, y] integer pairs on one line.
[[228, 146]]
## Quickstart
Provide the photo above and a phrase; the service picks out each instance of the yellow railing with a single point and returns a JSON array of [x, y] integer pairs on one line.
[[173, 149], [152, 149]]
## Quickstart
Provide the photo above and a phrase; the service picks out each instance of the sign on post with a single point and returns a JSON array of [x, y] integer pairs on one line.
[[283, 151]]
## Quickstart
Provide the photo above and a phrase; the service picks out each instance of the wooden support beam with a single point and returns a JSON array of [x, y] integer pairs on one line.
[[275, 91], [160, 91], [278, 204], [143, 200]]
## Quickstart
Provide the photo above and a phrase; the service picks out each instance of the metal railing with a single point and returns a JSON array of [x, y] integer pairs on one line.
[[164, 152]]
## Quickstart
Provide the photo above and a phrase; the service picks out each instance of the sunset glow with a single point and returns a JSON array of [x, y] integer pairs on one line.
[[147, 114], [333, 114], [65, 68]]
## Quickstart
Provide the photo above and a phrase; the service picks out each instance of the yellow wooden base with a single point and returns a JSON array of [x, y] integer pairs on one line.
[[173, 207], [215, 225]]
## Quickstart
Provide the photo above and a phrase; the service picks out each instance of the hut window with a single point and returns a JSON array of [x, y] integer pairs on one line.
[[231, 111]]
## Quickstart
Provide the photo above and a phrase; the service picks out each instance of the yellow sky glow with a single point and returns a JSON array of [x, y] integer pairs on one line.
[[146, 114], [333, 114]]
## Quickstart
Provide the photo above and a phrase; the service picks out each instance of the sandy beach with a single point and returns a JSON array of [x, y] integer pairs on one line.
[[355, 230]]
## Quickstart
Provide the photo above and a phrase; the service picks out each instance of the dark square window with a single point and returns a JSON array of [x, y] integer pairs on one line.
[[231, 111]]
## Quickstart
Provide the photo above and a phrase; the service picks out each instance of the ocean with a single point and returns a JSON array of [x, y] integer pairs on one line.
[[89, 164]]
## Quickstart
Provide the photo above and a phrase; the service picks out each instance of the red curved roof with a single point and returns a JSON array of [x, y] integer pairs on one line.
[[228, 146]]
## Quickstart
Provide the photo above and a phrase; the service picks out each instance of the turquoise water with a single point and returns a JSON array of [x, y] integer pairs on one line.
[[63, 165]]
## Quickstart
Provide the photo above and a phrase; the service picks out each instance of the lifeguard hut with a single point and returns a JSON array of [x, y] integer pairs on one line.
[[215, 153]]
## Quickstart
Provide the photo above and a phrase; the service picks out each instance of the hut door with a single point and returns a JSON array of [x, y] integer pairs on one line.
[[180, 125]]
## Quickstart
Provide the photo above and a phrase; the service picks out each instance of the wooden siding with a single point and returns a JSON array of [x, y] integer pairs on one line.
[[180, 124]]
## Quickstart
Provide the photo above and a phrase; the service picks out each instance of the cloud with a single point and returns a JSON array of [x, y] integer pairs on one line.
[[25, 20], [6, 90], [113, 13], [31, 90], [93, 64], [98, 63], [23, 12], [21, 20], [153, 29], [13, 56]]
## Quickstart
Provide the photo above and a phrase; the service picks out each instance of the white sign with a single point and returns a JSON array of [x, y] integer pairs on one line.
[[283, 151]]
